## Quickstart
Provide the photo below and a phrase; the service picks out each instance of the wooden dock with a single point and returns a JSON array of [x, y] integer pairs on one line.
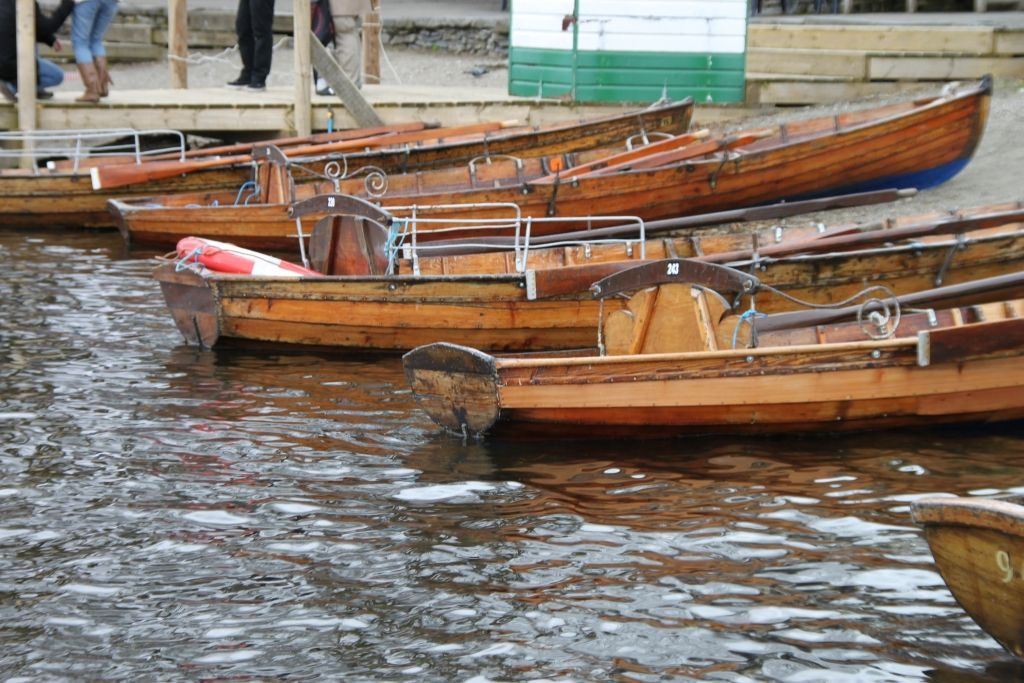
[[791, 60], [226, 112]]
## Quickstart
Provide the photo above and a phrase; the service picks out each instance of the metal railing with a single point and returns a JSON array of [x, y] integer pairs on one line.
[[410, 220], [79, 145]]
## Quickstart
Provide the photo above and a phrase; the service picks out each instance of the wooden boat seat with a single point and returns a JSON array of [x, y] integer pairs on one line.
[[677, 309], [665, 319], [349, 245]]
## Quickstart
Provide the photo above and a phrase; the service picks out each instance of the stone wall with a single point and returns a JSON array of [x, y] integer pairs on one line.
[[447, 35]]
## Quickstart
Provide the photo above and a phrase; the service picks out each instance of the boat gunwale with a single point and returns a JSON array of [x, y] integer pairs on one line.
[[986, 513]]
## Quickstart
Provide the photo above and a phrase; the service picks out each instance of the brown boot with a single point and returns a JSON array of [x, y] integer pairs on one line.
[[91, 82], [103, 76]]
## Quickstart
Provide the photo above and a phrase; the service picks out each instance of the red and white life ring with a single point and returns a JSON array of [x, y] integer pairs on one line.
[[223, 257]]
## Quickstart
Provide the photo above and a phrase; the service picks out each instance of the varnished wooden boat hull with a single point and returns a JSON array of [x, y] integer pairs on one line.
[[64, 199], [921, 147], [374, 313], [910, 145], [865, 385], [978, 545], [227, 216], [494, 312]]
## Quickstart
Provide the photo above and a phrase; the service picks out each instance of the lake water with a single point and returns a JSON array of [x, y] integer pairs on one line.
[[171, 514]]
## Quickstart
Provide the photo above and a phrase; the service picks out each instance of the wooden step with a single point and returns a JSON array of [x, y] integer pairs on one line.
[[771, 89], [129, 33], [116, 52], [844, 63], [939, 68], [200, 39], [1009, 42], [873, 38]]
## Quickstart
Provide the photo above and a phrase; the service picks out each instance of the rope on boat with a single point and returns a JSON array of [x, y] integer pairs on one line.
[[396, 237], [183, 263], [238, 198], [746, 318]]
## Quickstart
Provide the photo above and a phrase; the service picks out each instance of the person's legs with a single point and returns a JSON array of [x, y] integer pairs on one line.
[[105, 11], [49, 74], [104, 15], [262, 12], [243, 29], [348, 47], [82, 19]]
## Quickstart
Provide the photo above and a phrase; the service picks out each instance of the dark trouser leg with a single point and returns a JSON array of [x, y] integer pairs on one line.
[[263, 38], [243, 29]]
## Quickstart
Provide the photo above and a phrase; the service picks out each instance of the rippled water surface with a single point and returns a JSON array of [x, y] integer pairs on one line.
[[174, 514]]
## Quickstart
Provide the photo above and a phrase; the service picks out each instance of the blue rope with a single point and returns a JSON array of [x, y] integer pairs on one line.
[[395, 240], [255, 191], [747, 315], [183, 264]]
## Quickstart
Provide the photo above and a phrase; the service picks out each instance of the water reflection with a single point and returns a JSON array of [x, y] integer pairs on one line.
[[173, 513]]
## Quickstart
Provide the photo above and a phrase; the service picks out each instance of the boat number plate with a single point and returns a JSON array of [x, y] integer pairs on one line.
[[673, 269], [1005, 566]]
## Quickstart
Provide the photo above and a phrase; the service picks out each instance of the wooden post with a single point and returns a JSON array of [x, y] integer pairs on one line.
[[177, 42], [847, 6], [371, 45], [911, 6], [303, 67], [980, 5], [26, 45]]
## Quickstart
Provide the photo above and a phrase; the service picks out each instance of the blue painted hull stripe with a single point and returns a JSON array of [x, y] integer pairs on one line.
[[919, 179]]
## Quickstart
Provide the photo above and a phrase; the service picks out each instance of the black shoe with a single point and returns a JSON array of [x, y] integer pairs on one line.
[[240, 82], [43, 94], [257, 85]]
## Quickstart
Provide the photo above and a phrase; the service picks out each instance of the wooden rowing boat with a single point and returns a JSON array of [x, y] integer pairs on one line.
[[538, 298], [66, 198], [911, 144], [263, 221], [60, 194], [679, 359], [978, 545]]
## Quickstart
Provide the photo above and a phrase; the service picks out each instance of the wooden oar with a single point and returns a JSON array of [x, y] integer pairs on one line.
[[985, 290], [242, 147], [119, 175], [622, 157], [843, 239], [689, 152]]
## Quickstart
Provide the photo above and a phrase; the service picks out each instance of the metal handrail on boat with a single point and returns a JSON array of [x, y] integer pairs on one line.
[[522, 227], [77, 145]]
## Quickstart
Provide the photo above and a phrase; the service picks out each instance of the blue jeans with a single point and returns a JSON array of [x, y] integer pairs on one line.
[[48, 75], [89, 23]]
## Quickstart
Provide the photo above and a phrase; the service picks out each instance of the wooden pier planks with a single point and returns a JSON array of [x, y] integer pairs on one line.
[[818, 63]]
